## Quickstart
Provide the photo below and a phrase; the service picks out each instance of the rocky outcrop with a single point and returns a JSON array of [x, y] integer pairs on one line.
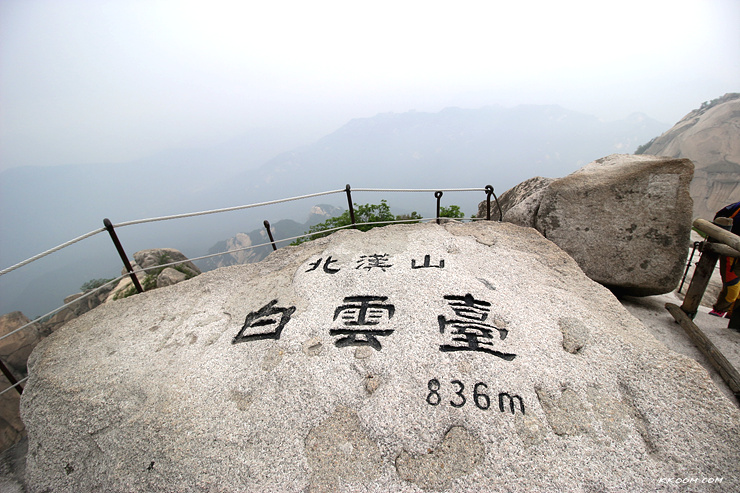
[[15, 349], [625, 219], [14, 352], [710, 138], [84, 305], [156, 273], [455, 357]]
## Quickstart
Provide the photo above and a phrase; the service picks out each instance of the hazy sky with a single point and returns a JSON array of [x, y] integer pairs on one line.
[[110, 81]]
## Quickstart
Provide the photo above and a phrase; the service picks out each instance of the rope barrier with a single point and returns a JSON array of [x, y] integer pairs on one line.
[[330, 230], [49, 252], [227, 209], [171, 264], [215, 211], [426, 190], [14, 385]]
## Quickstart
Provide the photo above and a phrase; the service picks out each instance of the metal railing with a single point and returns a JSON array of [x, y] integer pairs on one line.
[[133, 273]]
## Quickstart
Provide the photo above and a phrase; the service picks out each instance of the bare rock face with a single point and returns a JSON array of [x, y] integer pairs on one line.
[[625, 219], [710, 138], [14, 351], [422, 357]]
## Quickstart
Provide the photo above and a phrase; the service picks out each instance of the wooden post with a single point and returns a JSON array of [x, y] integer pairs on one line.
[[718, 233], [699, 281], [728, 372]]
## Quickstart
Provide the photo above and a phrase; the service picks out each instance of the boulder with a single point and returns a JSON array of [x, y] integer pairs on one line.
[[170, 276], [455, 357], [519, 204], [625, 219], [151, 259]]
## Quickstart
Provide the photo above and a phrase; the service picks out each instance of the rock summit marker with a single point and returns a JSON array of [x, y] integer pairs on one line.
[[461, 357]]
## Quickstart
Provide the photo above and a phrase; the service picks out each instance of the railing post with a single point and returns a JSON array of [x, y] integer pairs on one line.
[[10, 377], [489, 192], [351, 208], [269, 233], [438, 195], [113, 236]]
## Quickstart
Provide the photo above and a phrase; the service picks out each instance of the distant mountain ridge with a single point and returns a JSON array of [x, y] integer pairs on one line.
[[492, 144]]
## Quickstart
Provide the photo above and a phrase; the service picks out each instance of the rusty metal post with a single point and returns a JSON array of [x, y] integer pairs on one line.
[[349, 203], [500, 212], [10, 377], [113, 236], [438, 194], [489, 192], [269, 233]]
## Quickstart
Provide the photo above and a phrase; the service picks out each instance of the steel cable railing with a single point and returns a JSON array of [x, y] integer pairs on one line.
[[133, 273]]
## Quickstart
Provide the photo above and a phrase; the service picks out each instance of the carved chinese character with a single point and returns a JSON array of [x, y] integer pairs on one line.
[[426, 264], [469, 331], [379, 261], [268, 322], [327, 268], [359, 314]]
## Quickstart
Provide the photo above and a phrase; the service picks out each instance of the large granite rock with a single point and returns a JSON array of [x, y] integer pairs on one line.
[[461, 357], [625, 219], [710, 137]]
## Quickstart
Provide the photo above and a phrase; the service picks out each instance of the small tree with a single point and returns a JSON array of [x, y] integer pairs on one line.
[[452, 211], [368, 213], [644, 147]]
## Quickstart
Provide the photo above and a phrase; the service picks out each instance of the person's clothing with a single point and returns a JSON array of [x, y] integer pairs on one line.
[[729, 267], [719, 314], [731, 211]]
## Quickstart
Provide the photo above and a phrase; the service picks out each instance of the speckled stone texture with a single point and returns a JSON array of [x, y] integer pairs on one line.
[[625, 219], [357, 363]]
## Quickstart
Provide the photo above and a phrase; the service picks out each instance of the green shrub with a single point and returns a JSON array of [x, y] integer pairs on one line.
[[93, 284], [370, 213]]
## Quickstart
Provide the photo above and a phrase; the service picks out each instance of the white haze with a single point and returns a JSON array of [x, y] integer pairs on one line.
[[114, 81]]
